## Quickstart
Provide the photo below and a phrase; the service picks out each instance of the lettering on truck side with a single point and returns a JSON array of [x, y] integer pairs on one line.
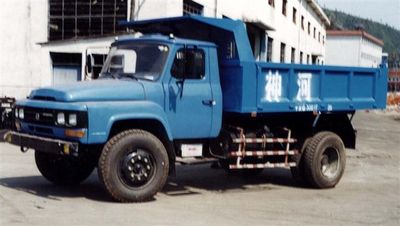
[[304, 83], [273, 87], [273, 90]]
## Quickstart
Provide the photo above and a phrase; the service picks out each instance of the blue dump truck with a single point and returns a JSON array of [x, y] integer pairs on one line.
[[189, 87]]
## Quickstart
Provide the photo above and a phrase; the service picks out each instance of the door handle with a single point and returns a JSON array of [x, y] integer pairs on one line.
[[209, 102]]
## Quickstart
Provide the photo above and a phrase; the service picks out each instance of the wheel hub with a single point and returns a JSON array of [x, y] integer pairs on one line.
[[137, 168], [330, 163]]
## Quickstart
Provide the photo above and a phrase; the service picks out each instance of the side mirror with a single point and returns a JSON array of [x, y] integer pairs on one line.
[[89, 64]]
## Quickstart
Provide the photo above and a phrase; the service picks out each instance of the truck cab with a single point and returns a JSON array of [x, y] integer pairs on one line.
[[164, 85]]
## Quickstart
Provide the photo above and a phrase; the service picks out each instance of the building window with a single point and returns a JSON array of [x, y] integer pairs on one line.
[[271, 3], [192, 8], [315, 32], [301, 57], [309, 28], [323, 40], [293, 56], [284, 4], [269, 49], [294, 15], [319, 36], [308, 58], [302, 22], [79, 18], [283, 49], [66, 67]]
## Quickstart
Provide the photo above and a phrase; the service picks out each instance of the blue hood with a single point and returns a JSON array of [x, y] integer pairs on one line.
[[97, 90]]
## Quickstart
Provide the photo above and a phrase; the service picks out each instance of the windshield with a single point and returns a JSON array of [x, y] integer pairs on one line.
[[136, 60]]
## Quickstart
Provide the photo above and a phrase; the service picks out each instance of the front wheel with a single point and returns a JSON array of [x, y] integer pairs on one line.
[[133, 166], [63, 170], [324, 160]]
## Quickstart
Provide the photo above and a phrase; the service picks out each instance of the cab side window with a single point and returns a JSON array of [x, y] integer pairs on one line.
[[189, 64]]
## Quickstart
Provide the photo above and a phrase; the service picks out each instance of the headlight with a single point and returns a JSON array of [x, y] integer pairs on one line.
[[60, 118], [21, 113], [72, 119]]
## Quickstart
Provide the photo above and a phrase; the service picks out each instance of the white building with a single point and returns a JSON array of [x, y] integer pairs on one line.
[[280, 30], [353, 48], [44, 42]]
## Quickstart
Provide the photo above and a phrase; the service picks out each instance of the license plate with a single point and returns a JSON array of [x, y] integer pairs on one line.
[[192, 150]]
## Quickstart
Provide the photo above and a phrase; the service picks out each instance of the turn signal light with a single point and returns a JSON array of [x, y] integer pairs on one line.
[[75, 133]]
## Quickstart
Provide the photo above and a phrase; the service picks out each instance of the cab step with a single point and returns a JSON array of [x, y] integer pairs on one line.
[[195, 161]]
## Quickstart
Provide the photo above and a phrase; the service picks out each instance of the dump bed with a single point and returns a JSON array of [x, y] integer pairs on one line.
[[299, 88], [250, 86]]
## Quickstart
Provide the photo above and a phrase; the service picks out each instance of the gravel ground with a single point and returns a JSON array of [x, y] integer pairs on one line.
[[368, 194]]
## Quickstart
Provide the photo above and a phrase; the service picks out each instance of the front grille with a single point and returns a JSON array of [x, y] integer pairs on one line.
[[48, 117], [40, 129], [40, 116]]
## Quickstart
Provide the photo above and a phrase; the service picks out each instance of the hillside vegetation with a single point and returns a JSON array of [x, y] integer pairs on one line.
[[389, 35]]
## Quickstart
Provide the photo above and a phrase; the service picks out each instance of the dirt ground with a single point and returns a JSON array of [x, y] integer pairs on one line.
[[368, 194]]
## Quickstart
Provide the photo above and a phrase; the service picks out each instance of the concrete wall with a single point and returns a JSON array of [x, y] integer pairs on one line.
[[150, 9], [371, 54], [343, 50], [25, 62], [353, 51], [23, 66]]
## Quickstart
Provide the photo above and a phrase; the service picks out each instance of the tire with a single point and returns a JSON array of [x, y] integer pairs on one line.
[[63, 170], [298, 171], [324, 160], [133, 166]]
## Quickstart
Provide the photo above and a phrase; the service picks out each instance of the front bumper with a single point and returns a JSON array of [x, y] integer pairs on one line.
[[54, 146]]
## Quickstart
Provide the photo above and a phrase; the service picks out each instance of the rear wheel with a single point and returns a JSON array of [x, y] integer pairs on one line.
[[63, 170], [133, 166], [324, 160]]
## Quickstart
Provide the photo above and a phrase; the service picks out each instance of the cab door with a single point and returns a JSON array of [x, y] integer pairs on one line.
[[189, 99]]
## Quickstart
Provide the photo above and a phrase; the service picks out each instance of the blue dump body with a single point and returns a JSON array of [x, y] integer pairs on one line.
[[300, 88], [250, 86]]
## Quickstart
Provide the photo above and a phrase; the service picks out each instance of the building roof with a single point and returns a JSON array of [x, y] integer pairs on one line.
[[319, 11], [360, 33]]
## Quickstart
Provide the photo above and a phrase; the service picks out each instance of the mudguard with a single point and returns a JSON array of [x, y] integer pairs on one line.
[[102, 116]]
